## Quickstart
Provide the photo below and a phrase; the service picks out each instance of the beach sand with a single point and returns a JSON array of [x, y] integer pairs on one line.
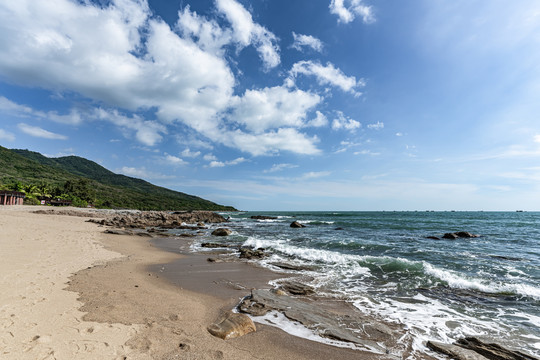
[[69, 291]]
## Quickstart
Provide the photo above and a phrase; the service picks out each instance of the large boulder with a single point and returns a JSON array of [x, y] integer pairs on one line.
[[232, 325], [296, 224], [249, 253], [222, 232]]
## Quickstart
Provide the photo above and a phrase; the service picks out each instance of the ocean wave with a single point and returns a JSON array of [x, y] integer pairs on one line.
[[458, 281]]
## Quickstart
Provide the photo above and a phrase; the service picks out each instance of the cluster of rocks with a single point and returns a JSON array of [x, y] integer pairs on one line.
[[161, 219], [471, 348], [263, 217], [455, 235]]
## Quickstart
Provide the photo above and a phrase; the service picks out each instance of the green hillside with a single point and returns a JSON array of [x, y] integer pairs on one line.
[[76, 175]]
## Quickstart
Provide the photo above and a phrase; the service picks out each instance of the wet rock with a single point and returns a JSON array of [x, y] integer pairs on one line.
[[212, 245], [263, 217], [432, 238], [455, 352], [222, 232], [249, 253], [466, 234], [492, 351], [297, 288], [296, 224], [118, 232], [339, 228], [286, 266], [160, 219], [451, 236], [309, 314], [232, 325]]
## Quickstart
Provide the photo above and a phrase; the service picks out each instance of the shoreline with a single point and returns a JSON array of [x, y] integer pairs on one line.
[[88, 294]]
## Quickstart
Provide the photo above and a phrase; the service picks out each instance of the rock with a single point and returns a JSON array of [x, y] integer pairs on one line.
[[214, 260], [450, 236], [339, 228], [492, 351], [455, 352], [232, 325], [212, 245], [118, 232], [296, 224], [466, 234], [222, 232], [313, 317], [297, 288], [286, 266], [432, 238], [201, 225], [249, 253], [187, 235], [263, 217], [160, 219]]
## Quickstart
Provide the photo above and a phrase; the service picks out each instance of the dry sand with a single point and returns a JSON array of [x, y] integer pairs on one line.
[[71, 292]]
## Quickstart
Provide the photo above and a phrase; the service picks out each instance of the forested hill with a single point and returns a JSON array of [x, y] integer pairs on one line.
[[73, 176]]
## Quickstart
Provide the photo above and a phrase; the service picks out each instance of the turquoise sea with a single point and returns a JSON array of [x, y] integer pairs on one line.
[[386, 266]]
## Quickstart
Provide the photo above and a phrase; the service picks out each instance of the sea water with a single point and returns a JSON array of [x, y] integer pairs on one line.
[[385, 264]]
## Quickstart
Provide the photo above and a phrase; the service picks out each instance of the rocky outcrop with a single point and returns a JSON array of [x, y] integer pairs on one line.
[[160, 219], [472, 348], [222, 232], [297, 225], [232, 325], [263, 217], [296, 288], [309, 314], [459, 234], [250, 253]]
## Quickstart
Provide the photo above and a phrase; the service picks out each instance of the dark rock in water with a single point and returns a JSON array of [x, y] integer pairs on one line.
[[297, 288], [466, 234], [509, 258], [454, 351], [263, 217], [296, 224], [339, 228], [309, 314], [492, 351], [232, 325], [222, 232], [459, 234], [212, 245], [432, 238], [249, 253], [451, 236]]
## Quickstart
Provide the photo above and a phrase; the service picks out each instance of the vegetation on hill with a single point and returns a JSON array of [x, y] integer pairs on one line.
[[85, 182]]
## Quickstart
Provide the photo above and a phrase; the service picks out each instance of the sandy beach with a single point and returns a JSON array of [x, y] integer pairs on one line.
[[71, 291]]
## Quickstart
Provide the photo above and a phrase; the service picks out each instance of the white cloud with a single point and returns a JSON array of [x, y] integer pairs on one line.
[[315, 174], [399, 134], [347, 10], [39, 132], [366, 152], [537, 138], [280, 167], [377, 126], [236, 161], [301, 41], [6, 135], [327, 75], [319, 121], [192, 154], [142, 173], [22, 111], [247, 32], [209, 157], [274, 107], [272, 141], [174, 160], [345, 122]]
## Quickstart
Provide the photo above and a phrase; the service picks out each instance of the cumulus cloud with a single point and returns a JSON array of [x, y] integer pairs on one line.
[[301, 41], [344, 122], [315, 174], [320, 120], [192, 154], [142, 173], [269, 108], [179, 75], [327, 75], [6, 135], [215, 163], [174, 160], [247, 32], [348, 10], [39, 132]]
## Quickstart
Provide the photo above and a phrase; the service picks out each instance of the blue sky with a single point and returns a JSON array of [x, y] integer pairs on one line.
[[285, 105]]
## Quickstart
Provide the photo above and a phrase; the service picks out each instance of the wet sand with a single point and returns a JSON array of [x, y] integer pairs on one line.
[[71, 291]]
